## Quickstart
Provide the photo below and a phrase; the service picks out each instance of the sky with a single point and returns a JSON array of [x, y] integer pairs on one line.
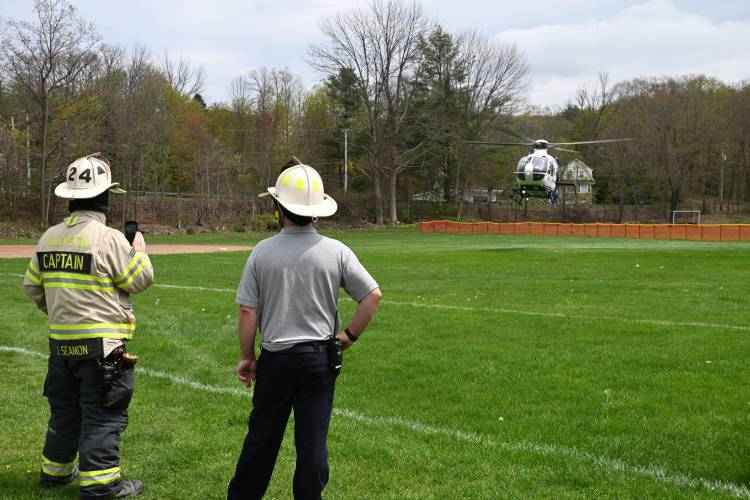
[[566, 43]]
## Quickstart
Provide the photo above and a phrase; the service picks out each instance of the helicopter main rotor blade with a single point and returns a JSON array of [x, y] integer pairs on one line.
[[486, 143], [513, 133], [563, 149], [589, 142]]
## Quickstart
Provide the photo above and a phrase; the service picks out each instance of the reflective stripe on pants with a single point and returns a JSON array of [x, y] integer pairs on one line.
[[95, 477], [59, 470]]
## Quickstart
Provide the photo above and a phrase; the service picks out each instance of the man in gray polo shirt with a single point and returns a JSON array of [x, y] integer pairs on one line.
[[289, 291]]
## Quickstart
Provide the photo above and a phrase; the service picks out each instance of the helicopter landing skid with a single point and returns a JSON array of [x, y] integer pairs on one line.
[[521, 193]]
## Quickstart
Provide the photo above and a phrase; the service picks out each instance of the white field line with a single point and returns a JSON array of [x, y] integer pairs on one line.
[[21, 350], [180, 380], [499, 310], [198, 288], [655, 473], [176, 379]]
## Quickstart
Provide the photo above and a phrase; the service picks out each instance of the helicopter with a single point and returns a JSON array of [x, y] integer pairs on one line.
[[538, 173]]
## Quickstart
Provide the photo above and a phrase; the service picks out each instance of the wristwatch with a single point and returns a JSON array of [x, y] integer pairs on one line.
[[351, 336]]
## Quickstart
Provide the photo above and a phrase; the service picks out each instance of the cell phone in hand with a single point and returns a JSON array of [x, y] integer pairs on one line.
[[131, 227]]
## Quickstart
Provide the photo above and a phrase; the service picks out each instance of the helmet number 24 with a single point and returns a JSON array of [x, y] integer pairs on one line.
[[85, 175]]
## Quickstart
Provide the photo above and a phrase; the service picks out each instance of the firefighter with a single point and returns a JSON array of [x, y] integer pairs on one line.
[[289, 291], [81, 276]]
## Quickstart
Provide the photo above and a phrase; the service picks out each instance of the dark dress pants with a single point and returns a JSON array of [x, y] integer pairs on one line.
[[284, 381]]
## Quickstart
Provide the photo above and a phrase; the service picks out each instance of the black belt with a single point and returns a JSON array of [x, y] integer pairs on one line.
[[303, 347]]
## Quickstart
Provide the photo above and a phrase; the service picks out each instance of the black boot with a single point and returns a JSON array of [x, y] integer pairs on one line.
[[129, 488]]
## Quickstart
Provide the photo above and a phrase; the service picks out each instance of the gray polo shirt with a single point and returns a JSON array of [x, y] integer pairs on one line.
[[293, 279]]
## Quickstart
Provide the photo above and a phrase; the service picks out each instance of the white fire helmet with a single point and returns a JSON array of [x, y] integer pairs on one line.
[[299, 189], [87, 177]]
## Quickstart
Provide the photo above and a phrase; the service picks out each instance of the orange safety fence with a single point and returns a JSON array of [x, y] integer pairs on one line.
[[618, 231], [679, 232], [662, 232], [695, 232]]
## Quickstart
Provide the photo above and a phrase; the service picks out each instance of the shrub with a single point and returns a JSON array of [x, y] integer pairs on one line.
[[264, 222]]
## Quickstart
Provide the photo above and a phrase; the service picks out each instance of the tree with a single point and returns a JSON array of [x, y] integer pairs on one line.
[[495, 87], [594, 114], [181, 75], [12, 171], [47, 58], [467, 84], [342, 88], [438, 104], [134, 121], [737, 142], [592, 109], [379, 46], [345, 106], [676, 129], [240, 104], [276, 96], [319, 144], [199, 99]]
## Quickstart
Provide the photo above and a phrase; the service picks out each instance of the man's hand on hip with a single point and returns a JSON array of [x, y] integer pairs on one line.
[[345, 342], [246, 371]]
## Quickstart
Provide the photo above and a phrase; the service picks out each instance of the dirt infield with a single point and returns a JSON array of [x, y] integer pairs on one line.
[[22, 251]]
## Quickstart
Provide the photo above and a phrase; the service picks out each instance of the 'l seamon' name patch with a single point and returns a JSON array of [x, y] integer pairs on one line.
[[79, 350], [76, 349], [72, 262]]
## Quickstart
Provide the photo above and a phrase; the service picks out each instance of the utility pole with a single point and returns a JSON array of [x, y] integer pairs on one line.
[[721, 181], [28, 152], [346, 159]]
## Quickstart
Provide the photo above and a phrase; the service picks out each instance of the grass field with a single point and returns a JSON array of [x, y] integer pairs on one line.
[[497, 367]]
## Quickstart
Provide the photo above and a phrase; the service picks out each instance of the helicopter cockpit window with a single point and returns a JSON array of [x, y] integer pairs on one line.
[[540, 164], [521, 169]]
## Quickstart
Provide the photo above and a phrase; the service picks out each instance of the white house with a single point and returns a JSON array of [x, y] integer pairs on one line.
[[581, 176]]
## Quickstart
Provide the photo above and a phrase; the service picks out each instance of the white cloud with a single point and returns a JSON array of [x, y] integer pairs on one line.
[[227, 38], [655, 38], [566, 43]]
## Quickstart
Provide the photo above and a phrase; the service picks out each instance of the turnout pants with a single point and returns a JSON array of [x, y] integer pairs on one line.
[[286, 381], [84, 421]]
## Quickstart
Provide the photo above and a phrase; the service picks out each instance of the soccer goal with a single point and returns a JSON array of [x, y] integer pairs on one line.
[[686, 216]]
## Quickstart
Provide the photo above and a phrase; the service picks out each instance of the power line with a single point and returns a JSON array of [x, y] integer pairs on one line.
[[254, 130]]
